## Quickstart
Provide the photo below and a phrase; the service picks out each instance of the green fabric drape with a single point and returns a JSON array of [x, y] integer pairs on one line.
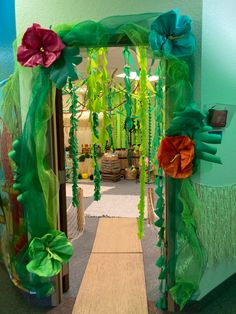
[[36, 182], [190, 255]]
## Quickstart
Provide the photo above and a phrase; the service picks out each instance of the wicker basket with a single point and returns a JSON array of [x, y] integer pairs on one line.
[[110, 156], [130, 174], [122, 153]]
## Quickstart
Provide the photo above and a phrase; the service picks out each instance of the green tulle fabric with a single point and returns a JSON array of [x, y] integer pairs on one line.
[[190, 256], [36, 182]]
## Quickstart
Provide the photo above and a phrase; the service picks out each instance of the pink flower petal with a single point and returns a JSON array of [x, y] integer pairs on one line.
[[24, 56], [50, 40], [49, 58], [34, 60], [31, 39]]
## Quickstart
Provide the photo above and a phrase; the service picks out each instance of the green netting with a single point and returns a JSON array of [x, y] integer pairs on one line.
[[113, 31], [190, 256]]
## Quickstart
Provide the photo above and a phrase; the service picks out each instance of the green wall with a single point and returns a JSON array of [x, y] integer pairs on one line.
[[218, 83]]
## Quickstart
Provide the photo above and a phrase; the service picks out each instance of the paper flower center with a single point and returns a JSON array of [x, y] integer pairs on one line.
[[171, 37], [42, 49], [176, 156]]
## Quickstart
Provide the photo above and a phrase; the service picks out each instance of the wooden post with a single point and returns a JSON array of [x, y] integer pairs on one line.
[[80, 212], [150, 205]]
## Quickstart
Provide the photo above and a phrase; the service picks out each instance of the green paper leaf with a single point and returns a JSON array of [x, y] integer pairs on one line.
[[162, 275], [48, 253], [64, 67], [161, 233], [161, 303], [159, 222]]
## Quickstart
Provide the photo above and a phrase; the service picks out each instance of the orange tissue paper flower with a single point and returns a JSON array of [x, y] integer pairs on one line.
[[175, 156]]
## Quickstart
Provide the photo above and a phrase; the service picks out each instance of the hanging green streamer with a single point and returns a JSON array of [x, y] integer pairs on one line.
[[110, 130], [94, 105], [106, 121], [142, 59], [149, 137], [161, 263], [136, 125], [128, 103], [73, 141]]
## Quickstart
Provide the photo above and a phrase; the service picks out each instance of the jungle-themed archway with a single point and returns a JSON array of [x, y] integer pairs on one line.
[[34, 250]]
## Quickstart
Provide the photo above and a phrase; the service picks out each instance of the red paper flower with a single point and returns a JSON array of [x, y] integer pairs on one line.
[[40, 46], [175, 156]]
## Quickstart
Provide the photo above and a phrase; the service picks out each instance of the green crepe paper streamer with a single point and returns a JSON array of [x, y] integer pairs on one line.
[[95, 124], [159, 183], [64, 67], [111, 131], [149, 137], [48, 253], [128, 103], [106, 121], [94, 105], [97, 176], [73, 141], [191, 122], [136, 126], [190, 257], [142, 59], [158, 112]]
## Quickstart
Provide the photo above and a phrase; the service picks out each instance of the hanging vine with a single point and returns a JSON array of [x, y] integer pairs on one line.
[[159, 182], [128, 103], [149, 137], [94, 105], [73, 141], [142, 59]]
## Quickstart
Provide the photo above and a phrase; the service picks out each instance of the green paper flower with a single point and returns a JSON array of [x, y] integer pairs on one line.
[[48, 253], [171, 35], [64, 67]]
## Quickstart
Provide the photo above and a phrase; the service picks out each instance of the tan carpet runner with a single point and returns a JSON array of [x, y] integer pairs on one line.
[[114, 281]]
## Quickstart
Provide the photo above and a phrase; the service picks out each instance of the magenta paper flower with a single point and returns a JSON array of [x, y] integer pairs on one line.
[[40, 46]]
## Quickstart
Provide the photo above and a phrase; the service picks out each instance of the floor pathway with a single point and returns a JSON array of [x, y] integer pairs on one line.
[[114, 279]]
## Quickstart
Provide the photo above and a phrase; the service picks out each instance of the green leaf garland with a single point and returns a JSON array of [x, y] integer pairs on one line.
[[73, 141], [142, 59], [94, 105], [159, 182]]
